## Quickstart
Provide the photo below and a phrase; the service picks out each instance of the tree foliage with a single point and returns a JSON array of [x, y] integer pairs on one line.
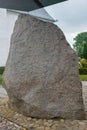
[[2, 68], [80, 44], [85, 51]]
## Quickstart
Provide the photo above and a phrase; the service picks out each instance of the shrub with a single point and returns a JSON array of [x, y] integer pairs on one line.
[[2, 70], [83, 63], [83, 71]]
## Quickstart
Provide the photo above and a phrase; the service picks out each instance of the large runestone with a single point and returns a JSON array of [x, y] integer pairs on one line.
[[41, 75]]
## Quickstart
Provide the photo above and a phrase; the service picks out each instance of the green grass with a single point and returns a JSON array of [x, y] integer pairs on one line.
[[0, 79], [83, 77]]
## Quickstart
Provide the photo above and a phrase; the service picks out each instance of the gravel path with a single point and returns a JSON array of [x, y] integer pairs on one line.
[[8, 125]]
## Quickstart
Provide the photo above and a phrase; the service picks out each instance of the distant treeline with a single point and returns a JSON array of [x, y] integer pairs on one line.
[[2, 68]]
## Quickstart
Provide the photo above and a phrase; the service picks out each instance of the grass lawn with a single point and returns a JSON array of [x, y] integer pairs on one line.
[[83, 77], [0, 79]]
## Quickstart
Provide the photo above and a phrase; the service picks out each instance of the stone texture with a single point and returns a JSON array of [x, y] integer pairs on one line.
[[41, 75]]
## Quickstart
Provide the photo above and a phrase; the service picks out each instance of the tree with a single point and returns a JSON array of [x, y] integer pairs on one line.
[[80, 44], [85, 50]]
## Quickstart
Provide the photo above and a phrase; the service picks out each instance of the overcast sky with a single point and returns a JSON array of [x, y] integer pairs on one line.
[[71, 16]]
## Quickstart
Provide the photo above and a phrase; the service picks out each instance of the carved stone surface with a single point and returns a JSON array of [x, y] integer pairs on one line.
[[41, 75]]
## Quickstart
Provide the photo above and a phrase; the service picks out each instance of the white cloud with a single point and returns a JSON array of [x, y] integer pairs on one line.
[[71, 16], [71, 13], [6, 28]]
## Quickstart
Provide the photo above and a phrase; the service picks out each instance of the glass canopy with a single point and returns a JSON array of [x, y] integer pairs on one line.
[[27, 5], [32, 7]]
